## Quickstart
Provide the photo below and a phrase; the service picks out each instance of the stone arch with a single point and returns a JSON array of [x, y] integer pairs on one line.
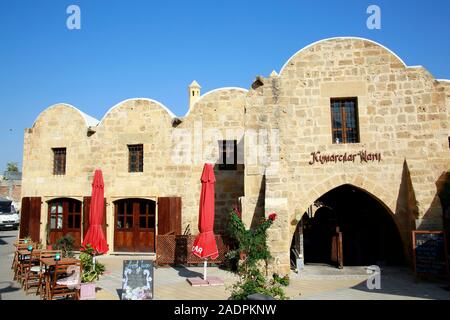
[[371, 187], [74, 112], [149, 102], [364, 184], [360, 41], [225, 90]]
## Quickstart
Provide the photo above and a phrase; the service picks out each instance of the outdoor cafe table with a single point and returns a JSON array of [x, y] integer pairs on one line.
[[51, 262]]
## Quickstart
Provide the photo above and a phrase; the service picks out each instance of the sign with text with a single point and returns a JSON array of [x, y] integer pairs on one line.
[[430, 253], [363, 157], [137, 280]]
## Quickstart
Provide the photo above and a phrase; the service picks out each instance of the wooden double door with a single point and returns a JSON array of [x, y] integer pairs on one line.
[[135, 222], [64, 218]]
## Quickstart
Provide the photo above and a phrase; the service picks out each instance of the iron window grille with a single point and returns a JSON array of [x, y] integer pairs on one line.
[[59, 161], [136, 158]]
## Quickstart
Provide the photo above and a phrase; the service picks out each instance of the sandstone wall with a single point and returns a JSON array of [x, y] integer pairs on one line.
[[402, 115]]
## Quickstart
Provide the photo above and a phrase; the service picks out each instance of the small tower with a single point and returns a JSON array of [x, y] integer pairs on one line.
[[194, 93]]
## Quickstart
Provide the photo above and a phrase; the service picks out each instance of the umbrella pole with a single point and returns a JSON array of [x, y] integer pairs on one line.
[[205, 264]]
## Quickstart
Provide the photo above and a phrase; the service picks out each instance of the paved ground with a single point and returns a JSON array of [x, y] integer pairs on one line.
[[314, 283], [9, 289]]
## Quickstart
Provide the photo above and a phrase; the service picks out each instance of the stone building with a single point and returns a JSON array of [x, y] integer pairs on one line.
[[345, 135]]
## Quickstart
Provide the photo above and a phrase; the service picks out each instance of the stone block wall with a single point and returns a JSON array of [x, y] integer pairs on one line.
[[402, 115]]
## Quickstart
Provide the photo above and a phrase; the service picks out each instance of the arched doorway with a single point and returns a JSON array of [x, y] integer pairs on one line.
[[134, 227], [369, 233], [64, 218]]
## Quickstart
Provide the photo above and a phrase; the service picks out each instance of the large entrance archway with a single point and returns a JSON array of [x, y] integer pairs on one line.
[[369, 233]]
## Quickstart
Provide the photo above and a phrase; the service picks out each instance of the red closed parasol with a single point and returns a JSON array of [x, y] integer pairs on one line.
[[205, 244], [95, 236]]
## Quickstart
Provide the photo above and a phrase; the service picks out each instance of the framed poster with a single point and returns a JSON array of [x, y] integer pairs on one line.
[[430, 253], [137, 280]]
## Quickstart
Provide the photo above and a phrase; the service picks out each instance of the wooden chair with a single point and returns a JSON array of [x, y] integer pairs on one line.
[[41, 283], [19, 245], [20, 262], [58, 289], [31, 269]]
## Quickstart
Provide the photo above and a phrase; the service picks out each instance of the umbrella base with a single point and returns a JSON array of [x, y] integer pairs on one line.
[[210, 281]]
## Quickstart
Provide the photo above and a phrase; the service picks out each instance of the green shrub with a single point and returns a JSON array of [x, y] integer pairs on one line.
[[91, 272], [253, 245], [65, 244], [284, 281]]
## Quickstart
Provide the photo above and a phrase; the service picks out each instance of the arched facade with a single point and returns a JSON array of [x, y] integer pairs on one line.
[[289, 151]]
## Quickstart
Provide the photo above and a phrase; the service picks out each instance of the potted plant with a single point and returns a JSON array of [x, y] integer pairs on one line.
[[92, 271], [65, 244]]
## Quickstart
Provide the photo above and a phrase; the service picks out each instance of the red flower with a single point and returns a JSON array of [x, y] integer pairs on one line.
[[238, 213], [272, 216]]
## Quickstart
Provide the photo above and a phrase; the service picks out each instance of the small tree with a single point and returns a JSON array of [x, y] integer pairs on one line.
[[12, 167]]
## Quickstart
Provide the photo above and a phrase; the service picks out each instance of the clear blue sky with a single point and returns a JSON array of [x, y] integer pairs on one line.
[[154, 49]]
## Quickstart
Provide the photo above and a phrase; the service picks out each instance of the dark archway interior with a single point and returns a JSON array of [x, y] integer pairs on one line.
[[369, 233]]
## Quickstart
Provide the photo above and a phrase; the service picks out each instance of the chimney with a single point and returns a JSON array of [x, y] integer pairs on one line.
[[194, 93]]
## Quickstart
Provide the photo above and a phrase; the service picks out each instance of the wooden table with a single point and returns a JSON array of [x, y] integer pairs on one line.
[[25, 252], [49, 263]]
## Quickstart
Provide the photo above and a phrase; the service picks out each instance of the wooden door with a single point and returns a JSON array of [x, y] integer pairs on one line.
[[25, 218], [30, 218], [64, 218], [169, 215], [337, 255], [144, 238], [134, 229]]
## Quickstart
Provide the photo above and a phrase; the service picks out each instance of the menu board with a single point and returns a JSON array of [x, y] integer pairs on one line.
[[430, 253], [137, 280]]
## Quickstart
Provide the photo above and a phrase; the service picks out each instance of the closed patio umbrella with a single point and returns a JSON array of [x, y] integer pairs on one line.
[[95, 236], [205, 244]]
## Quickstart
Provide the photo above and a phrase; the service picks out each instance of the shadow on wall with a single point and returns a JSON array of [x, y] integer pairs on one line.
[[443, 191], [406, 211], [229, 187], [407, 207], [258, 215]]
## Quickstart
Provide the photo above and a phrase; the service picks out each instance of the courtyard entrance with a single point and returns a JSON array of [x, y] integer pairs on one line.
[[350, 226], [134, 229]]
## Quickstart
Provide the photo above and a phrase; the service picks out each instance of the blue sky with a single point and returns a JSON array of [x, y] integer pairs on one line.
[[154, 49]]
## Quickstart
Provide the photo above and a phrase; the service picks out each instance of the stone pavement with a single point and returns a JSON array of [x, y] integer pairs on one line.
[[10, 289], [316, 282]]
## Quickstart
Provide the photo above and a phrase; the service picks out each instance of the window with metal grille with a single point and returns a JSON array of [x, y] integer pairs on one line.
[[136, 158], [344, 120], [227, 154], [59, 161]]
